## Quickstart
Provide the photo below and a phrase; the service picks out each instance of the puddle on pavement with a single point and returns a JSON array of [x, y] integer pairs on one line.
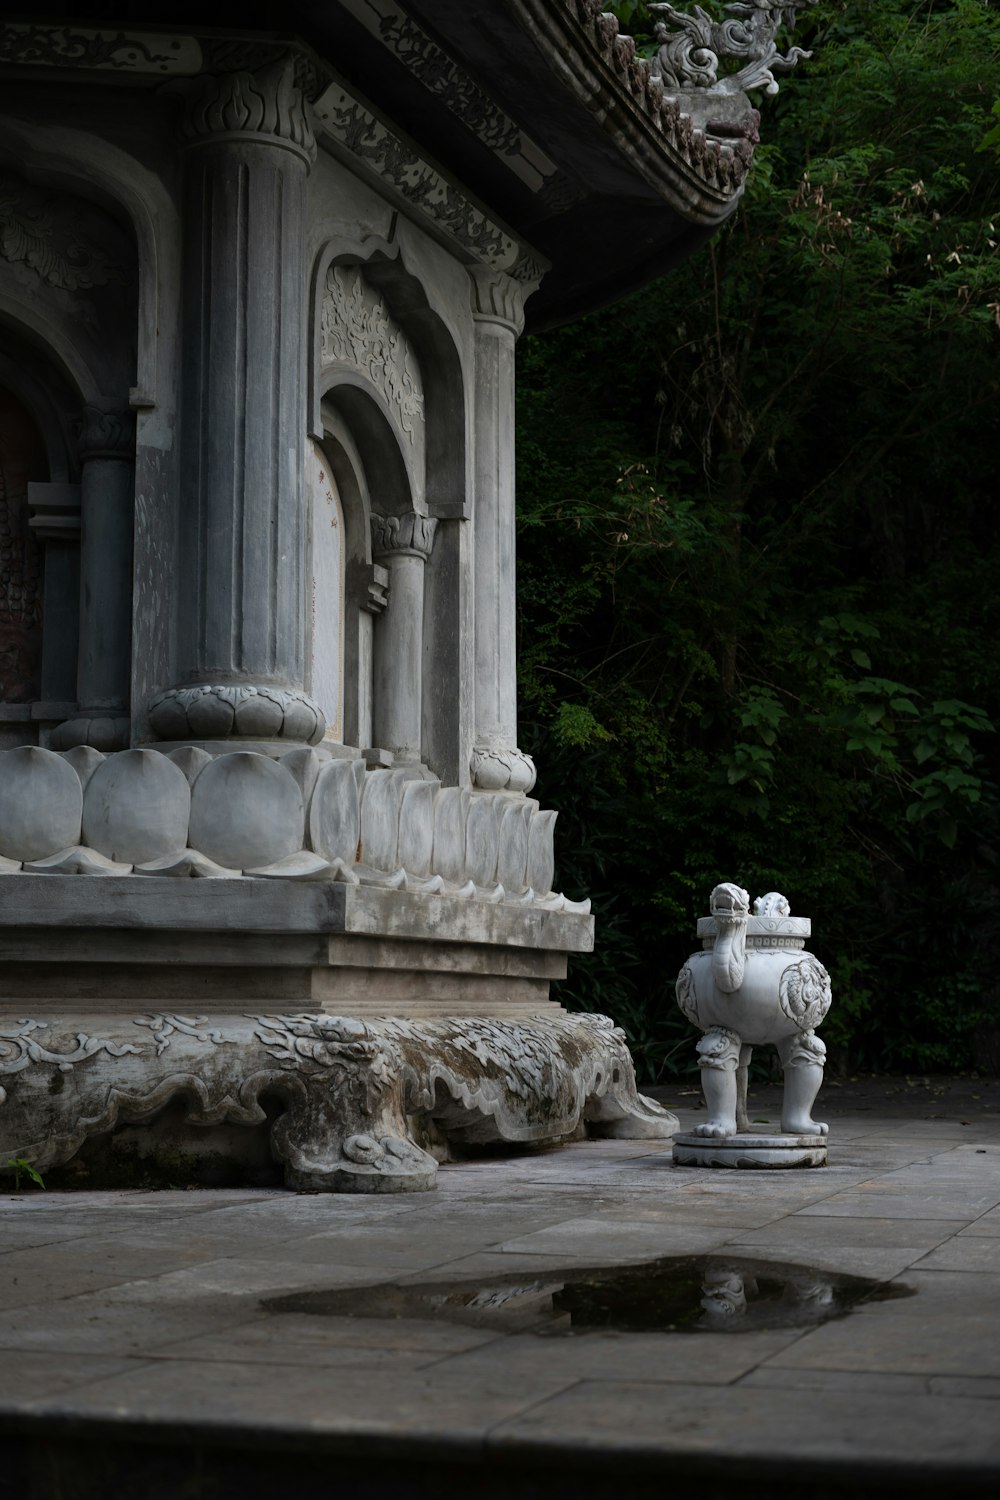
[[677, 1294]]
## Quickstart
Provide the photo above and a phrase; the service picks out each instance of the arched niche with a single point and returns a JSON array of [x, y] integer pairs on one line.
[[68, 333], [39, 538], [68, 161], [360, 452], [441, 487]]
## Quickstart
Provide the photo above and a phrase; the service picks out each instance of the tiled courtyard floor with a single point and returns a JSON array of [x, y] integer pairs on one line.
[[137, 1355]]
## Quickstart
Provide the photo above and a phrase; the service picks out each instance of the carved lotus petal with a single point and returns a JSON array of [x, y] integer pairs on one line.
[[302, 721], [258, 715], [416, 826], [303, 865], [211, 716], [189, 863], [77, 861], [136, 807], [482, 839], [41, 804], [541, 851], [451, 810], [335, 810], [168, 717], [84, 759], [191, 760], [512, 855], [246, 811], [380, 804]]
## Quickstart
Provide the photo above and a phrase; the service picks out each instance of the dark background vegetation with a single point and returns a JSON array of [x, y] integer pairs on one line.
[[758, 558]]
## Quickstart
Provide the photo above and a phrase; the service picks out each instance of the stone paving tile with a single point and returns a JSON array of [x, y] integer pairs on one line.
[[864, 1382], [964, 1253], [326, 1398], [96, 1324], [912, 1193], [488, 1263], [26, 1375], [884, 1264], [607, 1241], [241, 1279], [949, 1327], [74, 1267], [292, 1338], [809, 1232], [633, 1416], [618, 1356], [980, 1388], [987, 1224]]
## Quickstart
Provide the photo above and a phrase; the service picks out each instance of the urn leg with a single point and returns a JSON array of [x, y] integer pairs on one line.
[[718, 1055], [802, 1058], [742, 1073]]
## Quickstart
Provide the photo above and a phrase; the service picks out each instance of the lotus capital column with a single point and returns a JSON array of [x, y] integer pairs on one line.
[[498, 311], [241, 629], [402, 544]]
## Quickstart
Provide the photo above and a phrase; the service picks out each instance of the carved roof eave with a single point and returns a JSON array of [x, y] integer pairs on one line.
[[701, 177], [346, 124]]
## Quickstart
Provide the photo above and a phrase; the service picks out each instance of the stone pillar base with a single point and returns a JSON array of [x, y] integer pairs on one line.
[[747, 1150]]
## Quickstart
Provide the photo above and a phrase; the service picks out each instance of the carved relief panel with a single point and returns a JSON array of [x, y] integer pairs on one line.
[[358, 331], [22, 458]]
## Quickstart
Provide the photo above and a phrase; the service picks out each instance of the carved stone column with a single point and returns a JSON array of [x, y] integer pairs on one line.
[[107, 455], [241, 624], [497, 764], [54, 509], [403, 544]]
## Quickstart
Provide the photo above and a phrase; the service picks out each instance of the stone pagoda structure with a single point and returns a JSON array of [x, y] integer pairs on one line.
[[270, 867]]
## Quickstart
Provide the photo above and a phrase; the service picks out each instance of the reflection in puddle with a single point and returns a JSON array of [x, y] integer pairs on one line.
[[678, 1294]]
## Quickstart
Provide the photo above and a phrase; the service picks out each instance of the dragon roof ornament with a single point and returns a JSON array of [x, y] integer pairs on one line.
[[692, 47]]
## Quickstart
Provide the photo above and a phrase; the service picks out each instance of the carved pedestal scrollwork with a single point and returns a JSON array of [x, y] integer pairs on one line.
[[349, 1089]]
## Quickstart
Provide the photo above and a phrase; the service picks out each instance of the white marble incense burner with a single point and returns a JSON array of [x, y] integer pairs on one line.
[[751, 984]]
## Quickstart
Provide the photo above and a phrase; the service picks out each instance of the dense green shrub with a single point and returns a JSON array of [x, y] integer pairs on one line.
[[758, 567]]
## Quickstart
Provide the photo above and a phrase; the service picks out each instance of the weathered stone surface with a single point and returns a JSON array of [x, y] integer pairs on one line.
[[512, 853], [540, 871], [482, 840], [246, 810], [350, 1088], [415, 851], [335, 810], [136, 807], [41, 804], [380, 803]]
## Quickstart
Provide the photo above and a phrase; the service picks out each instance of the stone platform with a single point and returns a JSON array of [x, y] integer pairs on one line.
[[139, 1358]]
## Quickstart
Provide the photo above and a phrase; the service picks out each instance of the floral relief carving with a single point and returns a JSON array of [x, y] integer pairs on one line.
[[357, 329], [685, 995], [804, 993], [393, 162], [164, 1028], [28, 45], [40, 232]]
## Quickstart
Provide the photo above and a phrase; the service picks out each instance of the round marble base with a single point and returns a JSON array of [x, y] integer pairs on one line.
[[769, 1151]]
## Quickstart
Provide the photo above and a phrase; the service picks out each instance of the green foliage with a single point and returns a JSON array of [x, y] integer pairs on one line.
[[22, 1168], [759, 555]]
